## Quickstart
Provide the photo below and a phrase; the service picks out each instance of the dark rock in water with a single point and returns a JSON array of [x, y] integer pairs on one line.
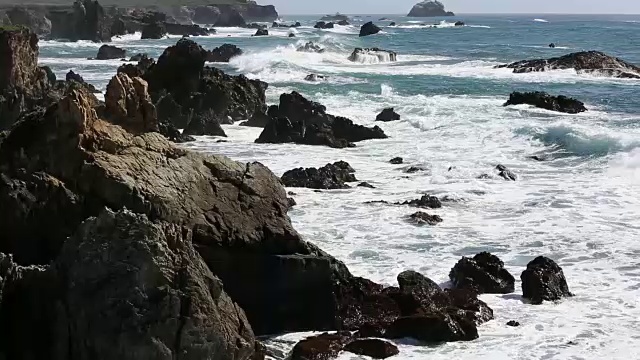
[[505, 173], [187, 30], [315, 77], [433, 328], [335, 17], [388, 115], [343, 23], [484, 273], [292, 35], [256, 26], [543, 280], [583, 62], [223, 53], [311, 47], [424, 218], [552, 45], [374, 348], [539, 157], [545, 101], [414, 169], [138, 57], [459, 23], [429, 8], [396, 161], [321, 347], [513, 323], [230, 18], [277, 25], [360, 55], [426, 201], [410, 280], [301, 121], [324, 25], [87, 20], [367, 185], [330, 176], [154, 30], [392, 23], [198, 98], [71, 76], [261, 32], [292, 202], [369, 29], [108, 52]]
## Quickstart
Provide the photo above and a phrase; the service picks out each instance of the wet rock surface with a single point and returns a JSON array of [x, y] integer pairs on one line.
[[388, 114], [369, 29], [544, 280], [484, 273], [545, 101], [422, 218], [330, 176]]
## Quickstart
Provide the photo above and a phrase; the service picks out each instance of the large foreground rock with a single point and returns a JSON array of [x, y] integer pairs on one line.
[[429, 8], [301, 121], [330, 176], [545, 101], [484, 273], [543, 280], [583, 62]]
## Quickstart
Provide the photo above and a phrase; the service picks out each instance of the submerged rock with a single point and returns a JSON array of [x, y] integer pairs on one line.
[[108, 52], [429, 8], [396, 161], [369, 29], [583, 62], [301, 121], [223, 53], [374, 348], [330, 176], [315, 77], [420, 218], [545, 101], [335, 17], [388, 115], [552, 45], [261, 32], [426, 201], [543, 280], [366, 185], [459, 23], [513, 323], [505, 173], [484, 273], [324, 25], [310, 47], [372, 55]]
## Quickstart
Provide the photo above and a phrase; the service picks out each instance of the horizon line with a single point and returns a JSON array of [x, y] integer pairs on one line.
[[467, 13]]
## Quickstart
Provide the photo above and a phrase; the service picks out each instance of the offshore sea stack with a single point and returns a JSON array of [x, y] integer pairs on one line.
[[587, 62], [429, 8]]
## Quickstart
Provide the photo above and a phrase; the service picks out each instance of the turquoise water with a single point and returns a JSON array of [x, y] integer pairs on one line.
[[581, 207]]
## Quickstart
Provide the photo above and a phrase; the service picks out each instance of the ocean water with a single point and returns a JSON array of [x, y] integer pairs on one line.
[[581, 207]]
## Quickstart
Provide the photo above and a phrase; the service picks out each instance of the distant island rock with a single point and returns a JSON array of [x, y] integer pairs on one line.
[[336, 17], [429, 8]]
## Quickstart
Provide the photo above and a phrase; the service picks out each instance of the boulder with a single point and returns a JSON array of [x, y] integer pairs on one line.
[[396, 161], [374, 348], [24, 86], [429, 8], [513, 323], [545, 101], [330, 176], [223, 53], [154, 30], [311, 47], [261, 32], [484, 273], [369, 29], [426, 201], [372, 55], [583, 62], [321, 347], [129, 105], [71, 76], [323, 25], [421, 218], [108, 52], [388, 115], [459, 23], [505, 173], [198, 98], [543, 280], [552, 45], [301, 121]]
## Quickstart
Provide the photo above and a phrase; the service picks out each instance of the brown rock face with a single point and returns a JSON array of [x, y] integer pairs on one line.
[[129, 105]]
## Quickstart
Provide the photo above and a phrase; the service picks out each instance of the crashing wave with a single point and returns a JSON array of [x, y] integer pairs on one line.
[[372, 56]]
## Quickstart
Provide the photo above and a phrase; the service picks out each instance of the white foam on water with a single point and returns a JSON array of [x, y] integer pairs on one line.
[[126, 38], [541, 20]]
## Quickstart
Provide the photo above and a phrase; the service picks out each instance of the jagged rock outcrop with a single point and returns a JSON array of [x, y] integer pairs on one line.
[[388, 114], [545, 101], [154, 30], [372, 55], [429, 8], [543, 280], [330, 176], [35, 20], [369, 29], [86, 20], [324, 25], [425, 201], [223, 53], [260, 118], [109, 52], [421, 218], [72, 76], [301, 121], [311, 47], [23, 85], [261, 32], [583, 62], [198, 98], [129, 105], [484, 273]]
